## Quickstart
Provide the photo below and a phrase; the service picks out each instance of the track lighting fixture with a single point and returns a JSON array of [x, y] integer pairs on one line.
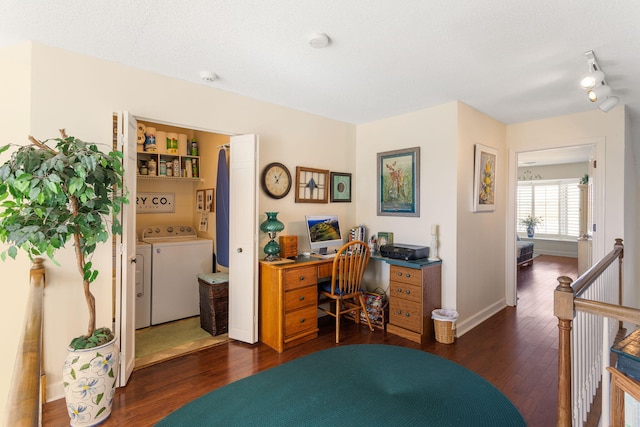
[[596, 86]]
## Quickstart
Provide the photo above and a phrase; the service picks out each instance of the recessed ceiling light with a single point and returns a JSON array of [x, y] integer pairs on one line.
[[319, 40], [208, 76]]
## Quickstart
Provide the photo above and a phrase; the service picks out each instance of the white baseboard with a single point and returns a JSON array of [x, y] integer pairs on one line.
[[470, 323]]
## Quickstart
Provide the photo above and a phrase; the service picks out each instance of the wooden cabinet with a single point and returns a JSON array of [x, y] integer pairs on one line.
[[288, 246], [288, 303], [414, 292]]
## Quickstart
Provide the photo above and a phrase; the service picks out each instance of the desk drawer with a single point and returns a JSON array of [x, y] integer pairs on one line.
[[300, 297], [405, 291], [299, 277], [300, 320], [405, 274], [405, 314]]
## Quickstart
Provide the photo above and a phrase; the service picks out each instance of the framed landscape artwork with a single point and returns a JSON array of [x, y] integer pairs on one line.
[[399, 182], [484, 179]]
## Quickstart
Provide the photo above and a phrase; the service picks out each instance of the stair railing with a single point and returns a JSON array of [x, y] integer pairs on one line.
[[24, 405], [583, 355]]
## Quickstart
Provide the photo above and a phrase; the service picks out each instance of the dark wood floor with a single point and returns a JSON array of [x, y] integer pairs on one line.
[[516, 350]]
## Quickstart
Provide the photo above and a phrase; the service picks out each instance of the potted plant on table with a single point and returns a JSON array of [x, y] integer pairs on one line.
[[50, 195], [531, 222]]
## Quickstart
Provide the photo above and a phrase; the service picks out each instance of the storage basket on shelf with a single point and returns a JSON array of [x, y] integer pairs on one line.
[[444, 322]]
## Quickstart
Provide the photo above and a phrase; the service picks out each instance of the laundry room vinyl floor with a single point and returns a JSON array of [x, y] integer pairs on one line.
[[162, 342]]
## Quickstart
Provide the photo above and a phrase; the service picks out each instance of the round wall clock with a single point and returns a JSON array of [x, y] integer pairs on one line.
[[276, 180]]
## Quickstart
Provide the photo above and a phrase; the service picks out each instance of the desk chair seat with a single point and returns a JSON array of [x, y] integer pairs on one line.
[[344, 291]]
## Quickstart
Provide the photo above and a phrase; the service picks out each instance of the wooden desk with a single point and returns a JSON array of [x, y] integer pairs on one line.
[[289, 299]]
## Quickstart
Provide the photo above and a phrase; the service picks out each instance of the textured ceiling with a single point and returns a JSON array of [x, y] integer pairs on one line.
[[513, 60]]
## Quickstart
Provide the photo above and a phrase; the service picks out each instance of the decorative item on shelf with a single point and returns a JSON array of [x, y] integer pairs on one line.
[[152, 166], [585, 179], [172, 143], [531, 222], [194, 147], [150, 140], [433, 252], [272, 226]]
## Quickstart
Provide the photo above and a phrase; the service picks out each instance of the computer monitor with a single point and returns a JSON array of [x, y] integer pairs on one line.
[[324, 233]]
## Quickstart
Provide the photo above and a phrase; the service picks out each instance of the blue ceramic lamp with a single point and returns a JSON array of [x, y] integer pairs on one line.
[[272, 226]]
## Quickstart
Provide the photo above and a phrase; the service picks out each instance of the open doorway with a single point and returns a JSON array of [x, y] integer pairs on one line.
[[554, 186]]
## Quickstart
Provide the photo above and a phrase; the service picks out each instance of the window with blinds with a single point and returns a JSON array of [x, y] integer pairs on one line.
[[556, 201]]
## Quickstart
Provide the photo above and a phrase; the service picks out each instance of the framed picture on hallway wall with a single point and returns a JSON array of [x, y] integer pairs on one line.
[[484, 179], [399, 182]]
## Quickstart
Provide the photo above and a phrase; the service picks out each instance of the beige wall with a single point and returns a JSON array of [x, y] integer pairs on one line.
[[81, 94], [15, 105], [480, 235]]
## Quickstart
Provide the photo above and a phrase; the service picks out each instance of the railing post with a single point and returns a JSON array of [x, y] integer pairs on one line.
[[563, 309]]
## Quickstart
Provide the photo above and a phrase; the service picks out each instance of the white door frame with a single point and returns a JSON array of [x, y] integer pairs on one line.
[[598, 248]]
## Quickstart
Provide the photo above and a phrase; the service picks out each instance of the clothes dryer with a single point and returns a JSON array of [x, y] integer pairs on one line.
[[178, 255]]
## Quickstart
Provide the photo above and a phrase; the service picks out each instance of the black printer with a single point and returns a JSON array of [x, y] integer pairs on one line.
[[405, 252]]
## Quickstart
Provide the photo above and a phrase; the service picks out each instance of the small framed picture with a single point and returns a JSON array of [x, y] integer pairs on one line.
[[484, 179], [340, 187], [199, 200], [312, 185], [208, 200]]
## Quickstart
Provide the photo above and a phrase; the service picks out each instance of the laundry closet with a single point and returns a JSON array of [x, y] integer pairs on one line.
[[175, 220]]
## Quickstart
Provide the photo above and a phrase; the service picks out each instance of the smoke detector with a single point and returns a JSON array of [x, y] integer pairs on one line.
[[208, 76], [319, 40]]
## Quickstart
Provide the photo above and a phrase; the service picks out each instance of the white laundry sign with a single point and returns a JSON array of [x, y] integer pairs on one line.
[[155, 203]]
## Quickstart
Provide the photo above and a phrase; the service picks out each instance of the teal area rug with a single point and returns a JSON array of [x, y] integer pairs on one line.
[[357, 385]]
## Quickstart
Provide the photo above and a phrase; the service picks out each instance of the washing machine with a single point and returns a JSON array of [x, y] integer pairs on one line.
[[143, 284], [178, 255]]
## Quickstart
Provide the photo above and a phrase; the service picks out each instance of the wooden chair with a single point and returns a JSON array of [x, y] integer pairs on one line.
[[344, 289]]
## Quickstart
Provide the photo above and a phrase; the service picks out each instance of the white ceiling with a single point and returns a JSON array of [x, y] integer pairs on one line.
[[511, 59]]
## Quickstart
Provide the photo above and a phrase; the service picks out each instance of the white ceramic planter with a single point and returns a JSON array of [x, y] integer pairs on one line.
[[89, 379]]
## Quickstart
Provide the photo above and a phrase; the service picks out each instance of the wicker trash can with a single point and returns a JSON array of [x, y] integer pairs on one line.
[[214, 302], [444, 322]]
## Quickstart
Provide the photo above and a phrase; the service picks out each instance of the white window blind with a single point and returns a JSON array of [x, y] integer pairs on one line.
[[556, 201]]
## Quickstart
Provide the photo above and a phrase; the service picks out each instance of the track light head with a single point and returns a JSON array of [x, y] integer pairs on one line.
[[599, 93], [609, 103], [591, 80]]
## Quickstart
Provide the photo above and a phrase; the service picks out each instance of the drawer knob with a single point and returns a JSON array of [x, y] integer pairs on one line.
[[399, 289], [408, 292], [301, 278], [399, 274], [302, 298], [407, 314], [399, 311], [302, 320], [408, 274]]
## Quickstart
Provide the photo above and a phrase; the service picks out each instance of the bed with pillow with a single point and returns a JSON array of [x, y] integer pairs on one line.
[[524, 252]]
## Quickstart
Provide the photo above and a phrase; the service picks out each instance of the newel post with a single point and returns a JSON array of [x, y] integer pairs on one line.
[[563, 299]]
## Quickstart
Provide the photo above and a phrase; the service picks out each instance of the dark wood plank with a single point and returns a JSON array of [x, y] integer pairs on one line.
[[515, 350]]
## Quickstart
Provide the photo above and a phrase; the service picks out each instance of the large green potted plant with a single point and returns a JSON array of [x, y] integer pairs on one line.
[[53, 192]]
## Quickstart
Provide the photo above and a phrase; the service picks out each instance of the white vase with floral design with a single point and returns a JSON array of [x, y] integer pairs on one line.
[[89, 379]]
